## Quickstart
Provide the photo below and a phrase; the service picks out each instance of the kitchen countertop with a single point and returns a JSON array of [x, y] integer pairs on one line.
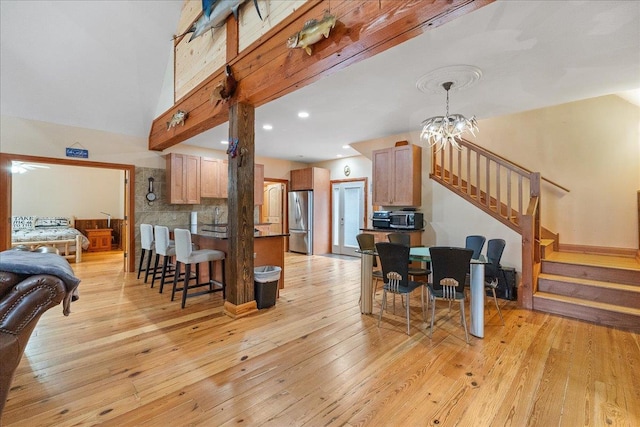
[[392, 230], [219, 231]]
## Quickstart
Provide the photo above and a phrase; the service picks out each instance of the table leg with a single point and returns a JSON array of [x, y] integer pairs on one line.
[[366, 288], [477, 300]]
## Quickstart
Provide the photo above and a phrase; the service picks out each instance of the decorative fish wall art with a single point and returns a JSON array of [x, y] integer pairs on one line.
[[312, 32], [178, 118], [214, 14]]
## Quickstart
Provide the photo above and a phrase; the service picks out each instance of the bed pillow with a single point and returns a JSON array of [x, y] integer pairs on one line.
[[52, 221], [23, 222]]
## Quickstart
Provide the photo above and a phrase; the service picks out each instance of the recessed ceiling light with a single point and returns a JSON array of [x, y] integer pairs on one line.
[[267, 127], [303, 114], [339, 155], [224, 142], [346, 147]]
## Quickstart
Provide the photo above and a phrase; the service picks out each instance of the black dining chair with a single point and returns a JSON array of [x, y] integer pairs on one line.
[[493, 270], [395, 268], [405, 239], [449, 268], [476, 243]]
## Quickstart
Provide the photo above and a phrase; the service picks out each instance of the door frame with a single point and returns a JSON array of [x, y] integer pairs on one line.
[[365, 180], [6, 194]]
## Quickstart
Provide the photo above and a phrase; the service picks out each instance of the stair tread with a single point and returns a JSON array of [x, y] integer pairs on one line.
[[589, 282], [588, 264], [546, 242], [588, 303]]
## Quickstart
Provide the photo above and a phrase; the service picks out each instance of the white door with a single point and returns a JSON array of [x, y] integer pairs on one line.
[[347, 216]]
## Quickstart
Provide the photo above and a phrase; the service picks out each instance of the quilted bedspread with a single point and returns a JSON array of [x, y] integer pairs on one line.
[[48, 234]]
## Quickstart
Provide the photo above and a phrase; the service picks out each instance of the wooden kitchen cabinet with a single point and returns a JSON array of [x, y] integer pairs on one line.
[[302, 179], [214, 177], [397, 176], [183, 176], [99, 239]]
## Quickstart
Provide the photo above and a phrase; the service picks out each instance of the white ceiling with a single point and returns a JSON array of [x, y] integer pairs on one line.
[[102, 64]]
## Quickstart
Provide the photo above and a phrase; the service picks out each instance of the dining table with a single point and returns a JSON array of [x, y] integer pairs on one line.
[[421, 254]]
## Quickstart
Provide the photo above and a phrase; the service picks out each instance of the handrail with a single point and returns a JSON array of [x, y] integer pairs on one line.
[[508, 163]]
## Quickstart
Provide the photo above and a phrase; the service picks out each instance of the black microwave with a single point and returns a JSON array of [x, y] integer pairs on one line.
[[407, 220]]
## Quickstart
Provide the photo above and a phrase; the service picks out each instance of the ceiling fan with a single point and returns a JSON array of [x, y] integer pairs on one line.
[[23, 167]]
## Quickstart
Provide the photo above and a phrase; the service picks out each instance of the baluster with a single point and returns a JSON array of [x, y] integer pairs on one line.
[[509, 214], [520, 195], [488, 183], [498, 198]]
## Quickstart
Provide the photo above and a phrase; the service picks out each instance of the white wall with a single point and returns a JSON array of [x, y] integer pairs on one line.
[[35, 138], [591, 147], [69, 191]]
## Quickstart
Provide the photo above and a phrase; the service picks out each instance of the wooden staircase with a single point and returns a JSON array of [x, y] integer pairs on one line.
[[606, 292], [607, 295]]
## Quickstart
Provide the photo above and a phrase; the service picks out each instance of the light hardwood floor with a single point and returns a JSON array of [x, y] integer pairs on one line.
[[129, 356]]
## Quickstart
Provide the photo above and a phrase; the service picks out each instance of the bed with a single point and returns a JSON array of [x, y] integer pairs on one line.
[[58, 232]]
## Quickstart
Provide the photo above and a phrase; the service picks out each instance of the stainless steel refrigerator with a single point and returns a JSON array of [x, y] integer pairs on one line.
[[301, 222]]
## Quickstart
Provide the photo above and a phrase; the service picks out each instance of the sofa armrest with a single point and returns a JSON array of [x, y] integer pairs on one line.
[[28, 299]]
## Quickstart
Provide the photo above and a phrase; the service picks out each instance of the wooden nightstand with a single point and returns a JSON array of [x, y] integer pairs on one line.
[[99, 239]]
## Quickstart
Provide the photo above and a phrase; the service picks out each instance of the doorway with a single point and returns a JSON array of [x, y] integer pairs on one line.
[[6, 190], [348, 214], [273, 208]]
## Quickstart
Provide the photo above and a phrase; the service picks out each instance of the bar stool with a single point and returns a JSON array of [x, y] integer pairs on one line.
[[167, 249], [146, 243], [187, 256]]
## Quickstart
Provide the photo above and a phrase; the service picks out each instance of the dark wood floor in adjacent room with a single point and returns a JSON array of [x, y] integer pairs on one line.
[[129, 356]]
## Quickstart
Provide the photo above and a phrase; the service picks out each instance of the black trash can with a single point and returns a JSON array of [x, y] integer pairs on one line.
[[265, 280]]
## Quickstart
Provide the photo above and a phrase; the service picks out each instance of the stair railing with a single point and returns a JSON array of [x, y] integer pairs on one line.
[[500, 188]]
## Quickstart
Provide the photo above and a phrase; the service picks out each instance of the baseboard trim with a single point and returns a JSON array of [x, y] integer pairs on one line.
[[242, 310], [600, 250]]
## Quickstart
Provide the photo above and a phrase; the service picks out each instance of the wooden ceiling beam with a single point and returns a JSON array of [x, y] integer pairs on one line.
[[267, 69]]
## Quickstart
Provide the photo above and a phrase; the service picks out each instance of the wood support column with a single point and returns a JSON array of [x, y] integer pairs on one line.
[[240, 299]]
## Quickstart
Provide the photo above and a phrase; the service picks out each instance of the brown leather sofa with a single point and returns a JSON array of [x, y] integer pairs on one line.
[[24, 297]]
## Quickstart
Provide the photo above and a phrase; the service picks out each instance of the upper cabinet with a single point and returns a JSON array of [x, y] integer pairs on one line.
[[303, 179], [191, 177], [183, 176], [214, 177], [397, 176]]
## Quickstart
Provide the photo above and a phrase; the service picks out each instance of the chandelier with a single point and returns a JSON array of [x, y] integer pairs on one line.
[[447, 129]]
